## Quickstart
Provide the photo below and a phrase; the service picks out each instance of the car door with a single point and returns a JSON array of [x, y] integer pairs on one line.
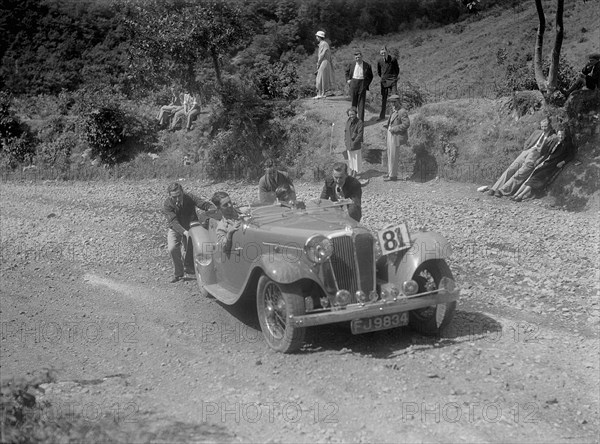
[[233, 265]]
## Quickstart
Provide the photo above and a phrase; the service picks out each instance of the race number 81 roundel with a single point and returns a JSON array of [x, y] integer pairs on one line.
[[393, 238]]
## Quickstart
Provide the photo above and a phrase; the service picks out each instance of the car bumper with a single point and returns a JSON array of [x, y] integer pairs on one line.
[[367, 310]]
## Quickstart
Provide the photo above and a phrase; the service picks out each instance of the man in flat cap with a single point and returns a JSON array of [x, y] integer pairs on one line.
[[359, 76], [397, 135], [589, 77], [180, 210]]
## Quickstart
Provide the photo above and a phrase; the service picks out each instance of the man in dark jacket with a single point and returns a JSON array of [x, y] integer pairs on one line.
[[180, 210], [359, 76], [388, 70], [341, 186], [589, 77], [273, 179]]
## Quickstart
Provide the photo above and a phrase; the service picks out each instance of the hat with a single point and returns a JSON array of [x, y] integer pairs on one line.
[[394, 97], [320, 34], [174, 186], [594, 56]]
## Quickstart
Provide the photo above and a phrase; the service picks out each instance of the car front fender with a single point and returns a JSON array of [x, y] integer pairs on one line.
[[286, 270], [425, 246], [204, 248]]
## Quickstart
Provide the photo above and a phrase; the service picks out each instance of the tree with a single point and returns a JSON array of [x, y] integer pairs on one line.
[[548, 85], [171, 37]]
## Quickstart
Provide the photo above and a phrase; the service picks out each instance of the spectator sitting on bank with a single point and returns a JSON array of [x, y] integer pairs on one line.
[[273, 179], [166, 111], [589, 76], [519, 170], [561, 151], [190, 108], [193, 113]]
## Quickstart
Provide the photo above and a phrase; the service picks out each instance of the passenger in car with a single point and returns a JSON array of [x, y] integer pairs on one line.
[[229, 223], [268, 184], [286, 197], [341, 186]]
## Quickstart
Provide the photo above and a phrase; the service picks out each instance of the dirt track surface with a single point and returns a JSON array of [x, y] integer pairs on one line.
[[85, 291]]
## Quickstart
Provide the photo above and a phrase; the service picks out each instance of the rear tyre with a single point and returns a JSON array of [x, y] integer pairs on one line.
[[275, 303], [434, 319]]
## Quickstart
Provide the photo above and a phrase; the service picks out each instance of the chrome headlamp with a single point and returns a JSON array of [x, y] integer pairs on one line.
[[410, 287], [318, 249], [342, 298], [361, 296]]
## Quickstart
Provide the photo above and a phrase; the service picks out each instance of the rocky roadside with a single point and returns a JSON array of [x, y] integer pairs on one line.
[[525, 338]]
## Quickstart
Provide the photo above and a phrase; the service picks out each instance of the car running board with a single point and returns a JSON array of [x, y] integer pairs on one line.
[[222, 294]]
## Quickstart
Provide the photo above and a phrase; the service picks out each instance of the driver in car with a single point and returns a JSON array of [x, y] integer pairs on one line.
[[341, 186], [229, 223]]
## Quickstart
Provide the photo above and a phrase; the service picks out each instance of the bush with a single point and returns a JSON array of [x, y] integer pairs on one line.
[[113, 127], [244, 131], [104, 130], [59, 140], [520, 73], [412, 95], [17, 144], [274, 80]]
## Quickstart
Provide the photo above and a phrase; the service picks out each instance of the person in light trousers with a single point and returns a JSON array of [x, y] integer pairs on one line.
[[354, 138], [397, 135]]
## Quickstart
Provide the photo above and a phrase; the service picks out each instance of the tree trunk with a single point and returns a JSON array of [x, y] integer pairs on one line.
[[553, 73], [215, 59], [539, 44]]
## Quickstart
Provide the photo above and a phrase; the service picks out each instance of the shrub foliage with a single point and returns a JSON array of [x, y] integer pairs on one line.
[[17, 145]]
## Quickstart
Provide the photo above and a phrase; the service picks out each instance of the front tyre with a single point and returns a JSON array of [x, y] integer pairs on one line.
[[434, 319], [275, 303]]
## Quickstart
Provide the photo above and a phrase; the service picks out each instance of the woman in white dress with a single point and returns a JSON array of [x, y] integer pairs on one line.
[[325, 77]]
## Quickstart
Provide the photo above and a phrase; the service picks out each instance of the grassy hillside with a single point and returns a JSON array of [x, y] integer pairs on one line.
[[467, 131], [461, 60], [464, 132]]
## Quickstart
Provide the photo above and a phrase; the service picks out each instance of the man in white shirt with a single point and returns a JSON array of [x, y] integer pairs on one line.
[[359, 76]]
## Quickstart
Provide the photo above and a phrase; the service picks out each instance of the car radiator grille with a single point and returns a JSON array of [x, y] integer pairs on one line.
[[348, 274]]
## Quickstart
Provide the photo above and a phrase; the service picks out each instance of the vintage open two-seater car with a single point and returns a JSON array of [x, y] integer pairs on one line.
[[316, 265]]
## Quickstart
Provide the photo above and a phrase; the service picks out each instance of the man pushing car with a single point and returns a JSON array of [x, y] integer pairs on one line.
[[180, 210]]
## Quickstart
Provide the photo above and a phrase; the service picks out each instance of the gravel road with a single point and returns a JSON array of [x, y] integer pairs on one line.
[[85, 291]]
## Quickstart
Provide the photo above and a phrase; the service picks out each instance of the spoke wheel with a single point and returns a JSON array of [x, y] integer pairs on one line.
[[275, 303], [434, 319]]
